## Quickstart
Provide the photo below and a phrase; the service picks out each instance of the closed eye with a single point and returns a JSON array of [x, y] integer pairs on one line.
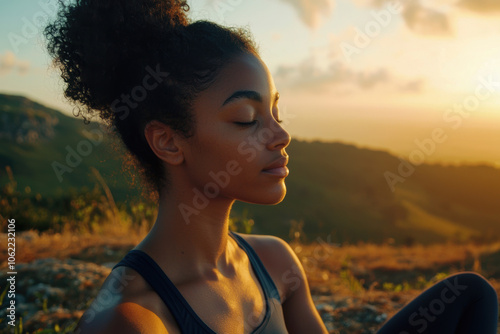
[[246, 123]]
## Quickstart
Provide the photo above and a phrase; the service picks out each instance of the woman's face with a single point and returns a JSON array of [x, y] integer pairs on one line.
[[238, 147]]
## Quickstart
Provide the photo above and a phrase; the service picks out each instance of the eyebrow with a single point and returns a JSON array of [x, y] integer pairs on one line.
[[248, 94]]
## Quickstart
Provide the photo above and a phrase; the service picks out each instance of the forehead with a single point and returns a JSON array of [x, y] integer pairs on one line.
[[244, 72]]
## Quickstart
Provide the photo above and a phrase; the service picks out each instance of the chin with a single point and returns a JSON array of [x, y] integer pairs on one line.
[[275, 202], [268, 197]]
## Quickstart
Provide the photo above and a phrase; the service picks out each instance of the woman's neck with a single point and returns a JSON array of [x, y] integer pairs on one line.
[[188, 232]]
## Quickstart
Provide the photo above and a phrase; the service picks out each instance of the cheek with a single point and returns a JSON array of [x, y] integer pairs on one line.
[[227, 161], [212, 153]]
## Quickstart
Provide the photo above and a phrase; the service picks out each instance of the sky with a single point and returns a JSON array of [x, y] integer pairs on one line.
[[405, 76]]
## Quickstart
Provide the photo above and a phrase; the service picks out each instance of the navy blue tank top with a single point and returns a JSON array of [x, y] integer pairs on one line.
[[186, 318]]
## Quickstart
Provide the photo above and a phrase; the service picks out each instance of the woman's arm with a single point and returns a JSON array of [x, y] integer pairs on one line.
[[125, 318], [299, 311]]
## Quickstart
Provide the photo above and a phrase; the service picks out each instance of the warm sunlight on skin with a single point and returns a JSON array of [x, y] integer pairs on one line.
[[234, 129], [236, 134]]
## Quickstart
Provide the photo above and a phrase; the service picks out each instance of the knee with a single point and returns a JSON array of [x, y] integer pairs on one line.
[[474, 282]]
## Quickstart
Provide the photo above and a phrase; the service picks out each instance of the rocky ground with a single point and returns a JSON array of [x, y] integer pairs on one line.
[[53, 292]]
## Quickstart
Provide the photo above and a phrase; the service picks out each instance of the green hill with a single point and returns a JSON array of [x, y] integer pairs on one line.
[[340, 192], [52, 153]]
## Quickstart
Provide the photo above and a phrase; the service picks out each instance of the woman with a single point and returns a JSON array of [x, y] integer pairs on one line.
[[197, 109]]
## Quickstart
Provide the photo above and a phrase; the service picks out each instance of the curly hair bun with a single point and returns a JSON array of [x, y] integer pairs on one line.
[[134, 61], [103, 46]]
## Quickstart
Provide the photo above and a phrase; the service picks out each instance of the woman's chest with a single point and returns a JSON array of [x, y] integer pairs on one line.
[[227, 305]]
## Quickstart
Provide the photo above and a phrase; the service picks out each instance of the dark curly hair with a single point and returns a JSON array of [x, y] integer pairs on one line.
[[134, 61]]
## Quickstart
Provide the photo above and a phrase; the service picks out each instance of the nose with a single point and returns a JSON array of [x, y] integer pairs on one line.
[[280, 139]]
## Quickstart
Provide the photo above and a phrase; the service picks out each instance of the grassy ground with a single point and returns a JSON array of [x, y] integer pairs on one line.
[[355, 287]]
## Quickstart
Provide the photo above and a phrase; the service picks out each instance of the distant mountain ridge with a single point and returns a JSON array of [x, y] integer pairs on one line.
[[25, 121], [339, 192], [51, 153]]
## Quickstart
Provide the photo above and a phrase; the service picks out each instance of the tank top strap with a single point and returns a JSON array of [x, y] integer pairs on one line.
[[187, 320], [262, 274]]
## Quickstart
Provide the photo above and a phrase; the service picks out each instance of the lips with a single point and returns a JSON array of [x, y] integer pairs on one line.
[[278, 167]]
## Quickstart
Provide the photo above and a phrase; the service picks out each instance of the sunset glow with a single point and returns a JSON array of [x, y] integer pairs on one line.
[[378, 74]]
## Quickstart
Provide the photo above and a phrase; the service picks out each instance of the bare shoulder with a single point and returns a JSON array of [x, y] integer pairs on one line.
[[269, 246], [126, 318], [289, 276], [280, 261], [126, 304]]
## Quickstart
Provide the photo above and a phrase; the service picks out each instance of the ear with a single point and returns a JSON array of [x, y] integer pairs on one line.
[[164, 142]]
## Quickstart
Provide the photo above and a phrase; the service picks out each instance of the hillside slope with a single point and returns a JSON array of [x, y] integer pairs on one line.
[[340, 192], [52, 153]]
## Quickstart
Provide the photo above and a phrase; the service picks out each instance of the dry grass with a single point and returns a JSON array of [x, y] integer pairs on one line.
[[391, 258], [320, 260], [351, 277], [31, 245], [387, 276]]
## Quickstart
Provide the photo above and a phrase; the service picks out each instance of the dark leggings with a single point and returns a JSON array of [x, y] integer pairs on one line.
[[460, 303]]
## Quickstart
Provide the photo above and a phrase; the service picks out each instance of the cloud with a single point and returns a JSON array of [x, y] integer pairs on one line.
[[429, 18], [421, 19], [425, 20], [481, 6], [371, 79], [9, 62], [414, 86], [421, 16], [307, 76], [311, 12]]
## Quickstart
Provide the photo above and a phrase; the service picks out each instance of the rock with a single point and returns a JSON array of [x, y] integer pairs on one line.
[[381, 318], [109, 265], [41, 290], [324, 308], [58, 285]]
